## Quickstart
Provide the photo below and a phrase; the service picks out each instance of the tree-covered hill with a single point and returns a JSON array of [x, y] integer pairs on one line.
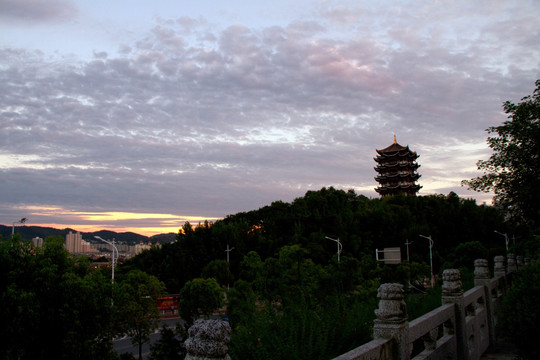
[[361, 224]]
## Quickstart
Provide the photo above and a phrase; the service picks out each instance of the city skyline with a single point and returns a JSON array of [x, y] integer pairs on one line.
[[139, 116]]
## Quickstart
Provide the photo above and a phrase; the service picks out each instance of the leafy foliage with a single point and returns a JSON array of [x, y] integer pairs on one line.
[[520, 313], [292, 308], [200, 297], [513, 170], [53, 302], [170, 345], [136, 309], [361, 224]]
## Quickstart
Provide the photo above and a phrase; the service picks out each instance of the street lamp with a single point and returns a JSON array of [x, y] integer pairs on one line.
[[506, 240], [113, 256], [22, 221], [430, 258], [339, 246]]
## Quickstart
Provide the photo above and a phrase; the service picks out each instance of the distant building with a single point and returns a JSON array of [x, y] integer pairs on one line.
[[397, 169], [37, 241], [140, 247], [87, 248], [74, 242]]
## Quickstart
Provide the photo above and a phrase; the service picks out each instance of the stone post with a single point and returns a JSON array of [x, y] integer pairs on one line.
[[392, 319], [481, 272], [481, 278], [208, 340], [512, 267], [527, 261], [452, 293], [519, 261], [500, 269]]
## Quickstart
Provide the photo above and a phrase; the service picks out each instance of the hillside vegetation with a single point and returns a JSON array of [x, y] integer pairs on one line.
[[361, 224]]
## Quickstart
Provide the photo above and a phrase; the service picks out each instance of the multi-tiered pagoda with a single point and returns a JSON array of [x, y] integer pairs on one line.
[[396, 166]]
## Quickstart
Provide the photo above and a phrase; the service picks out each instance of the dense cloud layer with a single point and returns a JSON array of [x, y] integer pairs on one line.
[[195, 119]]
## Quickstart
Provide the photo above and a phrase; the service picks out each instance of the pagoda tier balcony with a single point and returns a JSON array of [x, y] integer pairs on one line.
[[396, 155], [409, 189], [382, 178], [395, 167]]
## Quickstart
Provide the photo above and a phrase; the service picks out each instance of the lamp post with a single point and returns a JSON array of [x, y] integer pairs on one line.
[[430, 258], [114, 248], [22, 221], [339, 246], [506, 240]]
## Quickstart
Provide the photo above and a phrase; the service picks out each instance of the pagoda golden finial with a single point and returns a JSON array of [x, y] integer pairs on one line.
[[395, 141]]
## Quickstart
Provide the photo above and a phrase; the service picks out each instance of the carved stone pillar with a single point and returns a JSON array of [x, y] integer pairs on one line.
[[208, 340], [512, 266], [481, 278], [392, 319], [452, 293], [481, 272], [500, 269]]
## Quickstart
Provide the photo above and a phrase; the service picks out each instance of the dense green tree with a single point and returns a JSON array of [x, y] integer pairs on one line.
[[520, 313], [170, 344], [219, 270], [464, 254], [135, 300], [200, 297], [513, 170], [360, 223], [52, 304]]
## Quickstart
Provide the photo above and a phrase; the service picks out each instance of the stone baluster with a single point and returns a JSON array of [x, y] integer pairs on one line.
[[392, 319], [452, 293], [208, 340], [527, 261], [481, 278], [512, 266], [481, 272], [500, 269], [519, 261]]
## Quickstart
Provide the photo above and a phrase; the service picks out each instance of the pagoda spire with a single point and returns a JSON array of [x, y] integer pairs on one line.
[[395, 141]]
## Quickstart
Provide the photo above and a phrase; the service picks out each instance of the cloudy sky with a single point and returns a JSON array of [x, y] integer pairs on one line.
[[141, 115]]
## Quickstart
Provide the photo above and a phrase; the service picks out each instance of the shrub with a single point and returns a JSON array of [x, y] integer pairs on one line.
[[520, 313]]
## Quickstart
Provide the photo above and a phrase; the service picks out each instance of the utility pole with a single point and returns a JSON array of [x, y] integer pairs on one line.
[[408, 243], [430, 258], [228, 250]]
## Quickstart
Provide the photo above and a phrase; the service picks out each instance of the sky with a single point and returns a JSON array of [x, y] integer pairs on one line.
[[142, 115]]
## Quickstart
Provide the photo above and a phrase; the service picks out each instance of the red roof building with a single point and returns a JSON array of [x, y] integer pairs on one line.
[[397, 169]]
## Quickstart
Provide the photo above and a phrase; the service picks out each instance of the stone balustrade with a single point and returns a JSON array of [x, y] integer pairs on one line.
[[462, 328]]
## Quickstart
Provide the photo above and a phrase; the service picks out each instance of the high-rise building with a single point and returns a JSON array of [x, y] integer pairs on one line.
[[396, 166], [74, 242]]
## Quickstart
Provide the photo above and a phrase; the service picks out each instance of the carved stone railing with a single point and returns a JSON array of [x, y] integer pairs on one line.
[[462, 328]]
